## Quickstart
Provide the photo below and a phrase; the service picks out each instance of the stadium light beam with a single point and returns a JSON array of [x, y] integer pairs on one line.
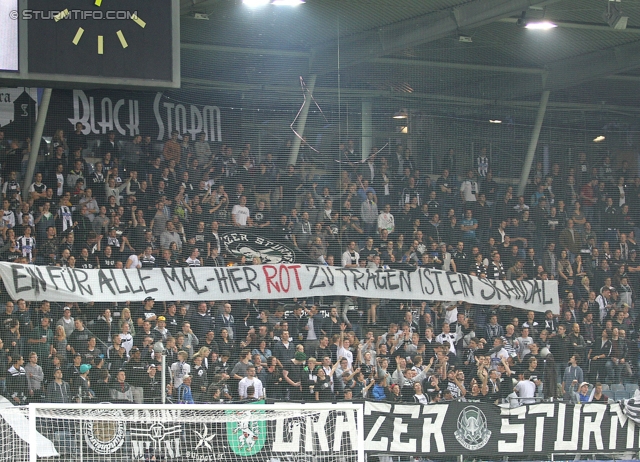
[[255, 3], [287, 2], [542, 25]]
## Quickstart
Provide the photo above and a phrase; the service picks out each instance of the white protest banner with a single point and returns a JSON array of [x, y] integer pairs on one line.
[[58, 284]]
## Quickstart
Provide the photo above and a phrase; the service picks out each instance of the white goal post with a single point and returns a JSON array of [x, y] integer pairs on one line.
[[278, 432]]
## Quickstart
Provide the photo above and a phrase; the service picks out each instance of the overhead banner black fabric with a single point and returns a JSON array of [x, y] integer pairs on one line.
[[486, 430], [131, 113], [260, 242]]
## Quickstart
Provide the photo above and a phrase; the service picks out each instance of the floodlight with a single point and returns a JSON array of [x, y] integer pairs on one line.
[[401, 114], [542, 25], [255, 3], [287, 2]]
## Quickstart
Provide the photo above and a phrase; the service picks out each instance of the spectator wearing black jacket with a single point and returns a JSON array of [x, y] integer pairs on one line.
[[152, 387], [201, 321], [17, 385], [136, 372]]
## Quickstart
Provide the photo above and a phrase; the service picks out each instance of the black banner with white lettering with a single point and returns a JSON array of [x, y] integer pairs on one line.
[[260, 243], [486, 430], [130, 113], [123, 435]]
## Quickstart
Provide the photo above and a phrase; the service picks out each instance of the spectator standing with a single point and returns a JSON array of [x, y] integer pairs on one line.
[[248, 381], [180, 369], [120, 390], [136, 370], [35, 378], [58, 391], [184, 391]]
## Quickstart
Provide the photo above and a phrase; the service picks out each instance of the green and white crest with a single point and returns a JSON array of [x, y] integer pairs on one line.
[[247, 433]]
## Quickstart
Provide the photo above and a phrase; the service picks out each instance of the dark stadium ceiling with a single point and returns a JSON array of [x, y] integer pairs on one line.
[[410, 50]]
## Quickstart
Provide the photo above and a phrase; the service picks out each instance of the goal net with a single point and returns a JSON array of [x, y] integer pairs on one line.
[[282, 432]]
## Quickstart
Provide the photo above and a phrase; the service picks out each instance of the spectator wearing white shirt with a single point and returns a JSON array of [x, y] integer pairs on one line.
[[126, 339], [240, 215], [525, 389], [250, 380], [469, 188], [447, 336], [343, 348], [180, 369], [497, 353], [523, 343], [350, 257], [603, 302], [386, 220], [133, 262]]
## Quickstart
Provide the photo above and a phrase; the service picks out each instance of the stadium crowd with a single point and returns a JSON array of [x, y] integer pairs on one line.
[[140, 206]]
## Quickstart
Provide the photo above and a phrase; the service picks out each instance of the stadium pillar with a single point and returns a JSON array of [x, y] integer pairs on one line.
[[302, 121], [163, 382], [36, 139], [367, 127], [533, 144]]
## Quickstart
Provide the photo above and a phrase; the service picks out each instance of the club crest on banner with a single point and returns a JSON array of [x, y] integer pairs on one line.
[[251, 246], [246, 436], [106, 434], [160, 438], [473, 432]]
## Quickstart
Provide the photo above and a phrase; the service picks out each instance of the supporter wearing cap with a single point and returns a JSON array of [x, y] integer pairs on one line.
[[584, 395], [161, 328], [147, 313], [83, 385], [395, 393], [66, 321], [136, 372], [153, 385]]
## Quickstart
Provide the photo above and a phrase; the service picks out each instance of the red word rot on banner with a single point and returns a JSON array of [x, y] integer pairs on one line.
[[278, 277]]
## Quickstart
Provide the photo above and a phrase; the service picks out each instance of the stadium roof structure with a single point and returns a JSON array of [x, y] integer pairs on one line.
[[458, 52]]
